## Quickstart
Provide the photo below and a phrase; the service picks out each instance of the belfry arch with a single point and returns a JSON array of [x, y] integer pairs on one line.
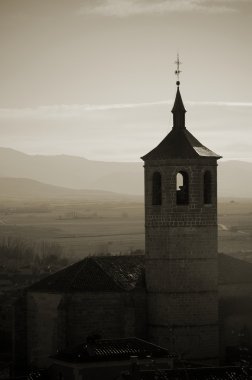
[[182, 188], [156, 189], [207, 187]]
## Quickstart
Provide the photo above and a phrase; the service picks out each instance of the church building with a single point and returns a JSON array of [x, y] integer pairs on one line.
[[181, 295]]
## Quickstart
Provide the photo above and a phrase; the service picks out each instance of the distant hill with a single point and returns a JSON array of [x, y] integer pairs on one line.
[[23, 188], [234, 177], [73, 172]]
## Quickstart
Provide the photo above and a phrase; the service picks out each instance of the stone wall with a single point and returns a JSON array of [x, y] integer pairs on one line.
[[235, 312], [42, 332], [19, 340], [54, 322], [112, 315], [181, 261]]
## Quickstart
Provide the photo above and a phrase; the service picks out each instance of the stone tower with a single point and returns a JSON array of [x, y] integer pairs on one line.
[[181, 242]]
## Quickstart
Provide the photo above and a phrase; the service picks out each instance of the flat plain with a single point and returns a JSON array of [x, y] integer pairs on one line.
[[84, 228]]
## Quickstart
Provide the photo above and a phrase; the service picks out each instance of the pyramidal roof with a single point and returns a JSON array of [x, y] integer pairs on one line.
[[179, 143], [125, 273], [98, 273]]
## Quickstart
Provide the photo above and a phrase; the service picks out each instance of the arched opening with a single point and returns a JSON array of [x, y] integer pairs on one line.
[[156, 189], [207, 188], [182, 188]]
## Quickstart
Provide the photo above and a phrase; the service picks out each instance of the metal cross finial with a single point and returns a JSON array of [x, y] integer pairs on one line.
[[177, 72]]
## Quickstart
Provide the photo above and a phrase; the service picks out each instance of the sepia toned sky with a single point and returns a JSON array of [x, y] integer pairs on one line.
[[95, 78]]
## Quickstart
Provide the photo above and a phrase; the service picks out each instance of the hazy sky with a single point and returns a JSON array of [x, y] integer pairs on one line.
[[95, 78]]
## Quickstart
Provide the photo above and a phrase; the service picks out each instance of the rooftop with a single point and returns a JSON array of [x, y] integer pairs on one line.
[[112, 349], [218, 373], [179, 143], [125, 273], [97, 273]]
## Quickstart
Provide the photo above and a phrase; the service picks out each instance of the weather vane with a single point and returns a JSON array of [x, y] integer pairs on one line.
[[177, 72]]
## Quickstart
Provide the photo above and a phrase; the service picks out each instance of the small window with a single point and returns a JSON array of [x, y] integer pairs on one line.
[[182, 188], [207, 188], [156, 189]]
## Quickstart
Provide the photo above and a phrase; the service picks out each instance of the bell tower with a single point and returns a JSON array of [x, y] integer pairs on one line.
[[181, 242]]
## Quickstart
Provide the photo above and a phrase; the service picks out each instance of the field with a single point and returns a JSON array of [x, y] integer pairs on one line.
[[235, 228], [85, 228], [80, 228]]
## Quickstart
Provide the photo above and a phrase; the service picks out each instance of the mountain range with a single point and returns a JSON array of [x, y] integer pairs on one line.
[[29, 189], [76, 174]]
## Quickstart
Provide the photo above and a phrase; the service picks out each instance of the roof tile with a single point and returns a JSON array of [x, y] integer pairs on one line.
[[102, 273]]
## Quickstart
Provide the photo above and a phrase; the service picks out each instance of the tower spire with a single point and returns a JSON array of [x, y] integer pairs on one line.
[[178, 109]]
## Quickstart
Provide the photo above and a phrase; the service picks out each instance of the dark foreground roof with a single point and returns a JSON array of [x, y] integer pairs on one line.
[[125, 273], [38, 375], [233, 270], [219, 373], [102, 273], [112, 349]]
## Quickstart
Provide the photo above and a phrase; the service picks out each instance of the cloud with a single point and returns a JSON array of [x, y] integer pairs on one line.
[[126, 131], [64, 111], [72, 111], [125, 8], [220, 104]]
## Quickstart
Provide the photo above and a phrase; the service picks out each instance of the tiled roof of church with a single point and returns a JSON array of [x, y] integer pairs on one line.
[[203, 373], [179, 143], [112, 349], [233, 270], [98, 273], [125, 273]]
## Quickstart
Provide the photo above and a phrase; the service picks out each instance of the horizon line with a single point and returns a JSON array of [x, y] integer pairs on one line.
[[100, 160]]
